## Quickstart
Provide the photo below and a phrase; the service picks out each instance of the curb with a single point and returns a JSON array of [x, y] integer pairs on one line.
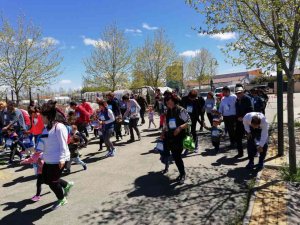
[[248, 214]]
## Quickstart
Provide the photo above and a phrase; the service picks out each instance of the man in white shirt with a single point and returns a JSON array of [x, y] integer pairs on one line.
[[256, 127]]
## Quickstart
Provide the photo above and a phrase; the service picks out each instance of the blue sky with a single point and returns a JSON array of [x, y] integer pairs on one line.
[[77, 24]]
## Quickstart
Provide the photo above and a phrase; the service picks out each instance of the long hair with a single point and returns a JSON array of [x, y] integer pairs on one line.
[[49, 111]]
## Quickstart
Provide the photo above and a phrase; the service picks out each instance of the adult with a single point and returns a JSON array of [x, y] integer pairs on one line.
[[257, 101], [133, 112], [53, 144], [82, 118], [228, 111], [87, 106], [209, 105], [256, 126], [243, 106], [113, 103], [176, 123], [264, 97], [2, 108], [60, 115], [202, 112], [107, 119], [192, 104], [143, 104]]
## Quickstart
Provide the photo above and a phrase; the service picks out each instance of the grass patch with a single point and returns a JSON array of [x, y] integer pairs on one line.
[[297, 123], [287, 176]]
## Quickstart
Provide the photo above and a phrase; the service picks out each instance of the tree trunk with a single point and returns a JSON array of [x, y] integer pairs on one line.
[[291, 128], [17, 98]]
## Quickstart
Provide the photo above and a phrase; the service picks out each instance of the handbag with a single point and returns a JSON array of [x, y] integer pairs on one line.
[[188, 141]]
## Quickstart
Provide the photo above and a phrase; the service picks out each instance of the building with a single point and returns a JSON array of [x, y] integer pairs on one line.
[[227, 79]]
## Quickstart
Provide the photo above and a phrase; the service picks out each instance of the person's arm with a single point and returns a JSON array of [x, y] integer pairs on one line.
[[62, 138], [21, 120], [127, 110], [249, 106], [184, 115], [264, 132]]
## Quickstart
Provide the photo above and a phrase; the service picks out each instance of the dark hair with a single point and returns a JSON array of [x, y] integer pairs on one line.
[[102, 103], [11, 103], [49, 111], [193, 94], [255, 120], [226, 89], [172, 97], [76, 138], [73, 103], [125, 97]]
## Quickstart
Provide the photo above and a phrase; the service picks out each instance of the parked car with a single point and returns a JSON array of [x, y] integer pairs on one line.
[[203, 94]]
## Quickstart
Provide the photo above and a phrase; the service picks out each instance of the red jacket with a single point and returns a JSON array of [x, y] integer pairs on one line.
[[37, 126], [87, 107], [82, 115]]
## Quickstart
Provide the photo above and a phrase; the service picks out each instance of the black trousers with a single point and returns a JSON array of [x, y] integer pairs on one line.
[[252, 150], [210, 118], [230, 126], [175, 145], [216, 144], [133, 126], [51, 175], [239, 135], [142, 113], [39, 183], [82, 129], [13, 151]]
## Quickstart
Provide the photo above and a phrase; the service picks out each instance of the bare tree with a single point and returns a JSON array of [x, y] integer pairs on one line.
[[109, 62], [202, 67], [154, 57], [27, 59]]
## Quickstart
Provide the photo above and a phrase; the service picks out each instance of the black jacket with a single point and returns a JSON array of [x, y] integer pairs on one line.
[[243, 106]]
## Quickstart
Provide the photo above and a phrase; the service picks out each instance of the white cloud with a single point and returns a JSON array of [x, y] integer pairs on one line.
[[138, 31], [190, 53], [220, 36], [96, 43], [50, 40], [65, 82], [72, 47], [148, 27]]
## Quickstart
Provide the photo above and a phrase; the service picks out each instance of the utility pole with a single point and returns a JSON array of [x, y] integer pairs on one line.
[[280, 98]]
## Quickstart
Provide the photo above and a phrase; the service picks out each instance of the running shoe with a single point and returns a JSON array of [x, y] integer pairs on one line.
[[36, 198], [84, 167], [59, 203], [113, 152], [68, 188], [109, 153]]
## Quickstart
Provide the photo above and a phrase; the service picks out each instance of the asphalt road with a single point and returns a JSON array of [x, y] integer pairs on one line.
[[130, 188]]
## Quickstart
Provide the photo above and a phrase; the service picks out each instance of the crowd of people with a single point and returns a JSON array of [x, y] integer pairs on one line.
[[50, 139]]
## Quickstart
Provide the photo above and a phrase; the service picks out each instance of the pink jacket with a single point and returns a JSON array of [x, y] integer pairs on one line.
[[34, 159]]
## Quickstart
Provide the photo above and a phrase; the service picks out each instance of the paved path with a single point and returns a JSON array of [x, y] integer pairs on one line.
[[130, 189]]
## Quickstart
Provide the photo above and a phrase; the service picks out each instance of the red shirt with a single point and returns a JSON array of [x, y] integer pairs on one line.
[[37, 126], [87, 107], [82, 115]]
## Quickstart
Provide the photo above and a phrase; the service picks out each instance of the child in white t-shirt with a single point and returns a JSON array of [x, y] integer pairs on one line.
[[151, 116]]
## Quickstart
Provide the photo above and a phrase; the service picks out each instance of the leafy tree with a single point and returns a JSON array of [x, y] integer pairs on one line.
[[154, 57], [27, 59], [260, 26], [109, 62], [138, 79]]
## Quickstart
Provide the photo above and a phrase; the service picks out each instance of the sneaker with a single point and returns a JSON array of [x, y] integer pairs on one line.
[[239, 156], [182, 179], [113, 152], [36, 198], [84, 167], [59, 203], [196, 150], [186, 152], [250, 166], [260, 166], [68, 188], [109, 153]]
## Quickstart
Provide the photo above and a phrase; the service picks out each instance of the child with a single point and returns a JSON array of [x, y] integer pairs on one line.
[[126, 125], [11, 142], [118, 127], [28, 143], [95, 124], [73, 147], [151, 116], [82, 139], [164, 155], [216, 134], [37, 163]]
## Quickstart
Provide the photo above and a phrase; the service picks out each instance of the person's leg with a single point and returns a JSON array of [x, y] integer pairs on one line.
[[101, 141], [194, 133], [39, 183], [202, 120], [262, 156], [239, 134], [136, 128], [216, 144], [210, 118], [251, 149], [230, 124], [176, 153], [131, 125], [77, 160], [142, 113], [95, 132]]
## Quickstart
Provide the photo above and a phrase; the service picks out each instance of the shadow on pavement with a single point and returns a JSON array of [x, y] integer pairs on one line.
[[28, 217], [21, 179], [209, 196]]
